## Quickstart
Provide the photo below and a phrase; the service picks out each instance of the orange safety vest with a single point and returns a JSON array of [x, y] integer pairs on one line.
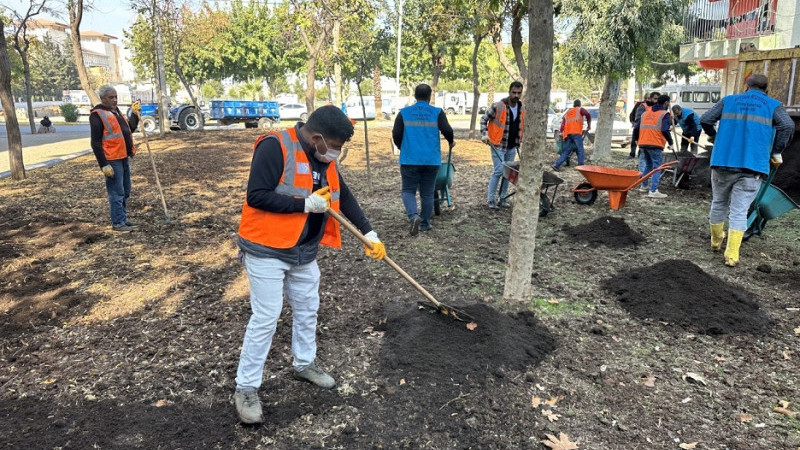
[[650, 129], [113, 141], [283, 230], [573, 122], [498, 125]]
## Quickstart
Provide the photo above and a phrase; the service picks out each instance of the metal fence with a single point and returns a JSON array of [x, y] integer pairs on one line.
[[710, 20]]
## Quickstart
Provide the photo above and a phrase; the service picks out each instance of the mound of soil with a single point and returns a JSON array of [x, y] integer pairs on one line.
[[680, 292], [431, 346], [609, 231], [788, 176]]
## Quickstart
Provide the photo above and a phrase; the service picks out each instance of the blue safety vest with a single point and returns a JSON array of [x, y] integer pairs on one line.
[[686, 112], [745, 134], [420, 145]]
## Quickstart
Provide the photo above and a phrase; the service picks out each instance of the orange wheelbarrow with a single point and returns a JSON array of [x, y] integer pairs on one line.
[[616, 181]]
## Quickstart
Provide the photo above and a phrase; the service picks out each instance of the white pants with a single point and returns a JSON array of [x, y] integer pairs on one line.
[[270, 280]]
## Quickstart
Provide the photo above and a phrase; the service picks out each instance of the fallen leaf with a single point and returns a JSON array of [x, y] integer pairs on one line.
[[553, 301], [744, 417], [719, 359], [787, 355], [648, 380], [797, 330], [691, 376], [161, 403], [551, 416], [536, 401], [780, 410], [471, 326], [553, 400], [783, 403], [688, 446], [402, 381], [49, 381], [562, 443]]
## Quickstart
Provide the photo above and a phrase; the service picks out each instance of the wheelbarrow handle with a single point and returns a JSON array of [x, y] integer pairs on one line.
[[352, 229], [649, 174]]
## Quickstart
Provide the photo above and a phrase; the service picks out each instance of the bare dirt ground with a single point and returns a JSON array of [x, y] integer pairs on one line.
[[637, 336]]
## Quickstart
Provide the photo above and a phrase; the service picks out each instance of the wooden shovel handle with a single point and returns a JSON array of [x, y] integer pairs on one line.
[[386, 259]]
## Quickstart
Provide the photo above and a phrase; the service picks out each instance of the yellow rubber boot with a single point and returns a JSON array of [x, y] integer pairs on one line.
[[717, 235], [732, 249]]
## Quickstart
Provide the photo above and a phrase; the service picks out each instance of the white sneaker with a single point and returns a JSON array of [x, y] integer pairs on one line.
[[656, 194], [248, 407], [644, 189]]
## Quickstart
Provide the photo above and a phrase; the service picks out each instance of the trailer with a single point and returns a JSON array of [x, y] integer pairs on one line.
[[182, 117], [254, 114]]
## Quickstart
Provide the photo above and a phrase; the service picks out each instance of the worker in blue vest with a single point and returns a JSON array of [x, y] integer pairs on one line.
[[690, 127], [753, 131], [416, 133]]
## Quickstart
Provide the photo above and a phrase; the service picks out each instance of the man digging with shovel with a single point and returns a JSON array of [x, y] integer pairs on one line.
[[293, 181]]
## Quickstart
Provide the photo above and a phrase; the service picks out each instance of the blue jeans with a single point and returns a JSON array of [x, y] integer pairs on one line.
[[649, 159], [499, 156], [119, 190], [571, 142], [422, 178], [270, 281], [732, 192]]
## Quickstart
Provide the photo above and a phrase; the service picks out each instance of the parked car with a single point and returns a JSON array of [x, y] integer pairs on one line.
[[293, 111], [356, 111], [620, 135], [553, 120]]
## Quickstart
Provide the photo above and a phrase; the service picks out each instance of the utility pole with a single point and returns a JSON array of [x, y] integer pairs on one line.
[[399, 41], [163, 101]]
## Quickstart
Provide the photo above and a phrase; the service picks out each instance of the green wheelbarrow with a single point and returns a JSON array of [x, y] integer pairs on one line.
[[770, 202], [444, 179]]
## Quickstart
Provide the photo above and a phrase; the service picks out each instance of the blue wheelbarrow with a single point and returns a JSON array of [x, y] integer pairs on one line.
[[444, 179], [770, 202]]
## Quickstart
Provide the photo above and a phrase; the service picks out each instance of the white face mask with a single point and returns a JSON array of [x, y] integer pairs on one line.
[[330, 154]]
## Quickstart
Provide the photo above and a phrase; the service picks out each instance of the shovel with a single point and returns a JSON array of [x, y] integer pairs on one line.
[[439, 306]]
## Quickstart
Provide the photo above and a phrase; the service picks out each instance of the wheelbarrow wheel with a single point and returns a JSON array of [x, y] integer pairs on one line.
[[585, 198], [437, 203]]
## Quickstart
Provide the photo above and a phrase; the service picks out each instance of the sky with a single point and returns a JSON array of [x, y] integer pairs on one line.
[[106, 16]]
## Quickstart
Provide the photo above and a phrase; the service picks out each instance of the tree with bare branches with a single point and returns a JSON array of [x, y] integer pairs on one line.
[[7, 101], [75, 10], [21, 43]]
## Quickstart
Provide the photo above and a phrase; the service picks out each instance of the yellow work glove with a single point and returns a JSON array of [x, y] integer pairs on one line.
[[378, 250], [319, 201], [775, 161], [136, 107], [108, 171]]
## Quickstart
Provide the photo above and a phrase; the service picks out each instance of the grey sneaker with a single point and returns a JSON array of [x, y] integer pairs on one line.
[[122, 227], [315, 375], [656, 194], [415, 225], [131, 224], [492, 205], [504, 204], [248, 407]]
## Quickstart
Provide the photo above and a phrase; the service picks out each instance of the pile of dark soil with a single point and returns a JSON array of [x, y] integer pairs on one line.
[[431, 346], [788, 176], [679, 292], [609, 231]]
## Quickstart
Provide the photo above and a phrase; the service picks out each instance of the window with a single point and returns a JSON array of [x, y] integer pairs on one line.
[[702, 97], [715, 97], [686, 97]]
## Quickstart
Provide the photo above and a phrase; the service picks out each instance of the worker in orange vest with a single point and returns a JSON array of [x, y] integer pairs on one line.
[[653, 131], [636, 115], [501, 128], [572, 132], [112, 144], [293, 182]]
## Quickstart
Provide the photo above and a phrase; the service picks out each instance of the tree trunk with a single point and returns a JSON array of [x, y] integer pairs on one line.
[[337, 65], [525, 217], [179, 72], [75, 16], [7, 101], [438, 62], [163, 100], [605, 121], [366, 134], [476, 91], [497, 40], [310, 91], [26, 69], [518, 14], [377, 91]]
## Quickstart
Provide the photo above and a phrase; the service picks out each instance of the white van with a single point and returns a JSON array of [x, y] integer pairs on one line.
[[698, 97], [356, 112]]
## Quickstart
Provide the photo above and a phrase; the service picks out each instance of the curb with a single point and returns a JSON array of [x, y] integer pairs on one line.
[[48, 163]]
